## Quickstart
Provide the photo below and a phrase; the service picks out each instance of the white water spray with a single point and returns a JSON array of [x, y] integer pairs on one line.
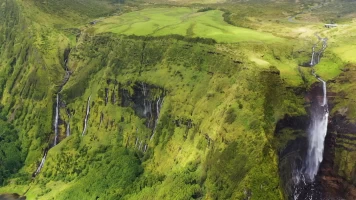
[[41, 164], [158, 110], [312, 57], [317, 133], [86, 117]]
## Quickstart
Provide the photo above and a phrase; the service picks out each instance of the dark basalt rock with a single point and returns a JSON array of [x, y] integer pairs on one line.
[[146, 100], [341, 135], [293, 154], [329, 184]]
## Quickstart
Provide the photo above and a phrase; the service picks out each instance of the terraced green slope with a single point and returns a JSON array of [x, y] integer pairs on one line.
[[182, 21]]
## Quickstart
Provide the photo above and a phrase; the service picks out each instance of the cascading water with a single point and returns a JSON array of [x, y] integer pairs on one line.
[[146, 101], [319, 122], [304, 179], [86, 117], [159, 103], [56, 118], [317, 133], [41, 164]]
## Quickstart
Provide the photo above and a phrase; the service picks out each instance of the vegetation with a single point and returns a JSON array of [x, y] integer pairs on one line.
[[11, 157], [225, 77], [182, 21]]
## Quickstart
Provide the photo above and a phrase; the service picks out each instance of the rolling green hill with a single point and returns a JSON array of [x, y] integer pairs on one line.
[[182, 21]]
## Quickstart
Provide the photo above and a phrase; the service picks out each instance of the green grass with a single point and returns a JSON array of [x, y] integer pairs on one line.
[[182, 21], [230, 92]]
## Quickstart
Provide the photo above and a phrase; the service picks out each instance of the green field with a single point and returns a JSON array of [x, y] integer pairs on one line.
[[182, 21]]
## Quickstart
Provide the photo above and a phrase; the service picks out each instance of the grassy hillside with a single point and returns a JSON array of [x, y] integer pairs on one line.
[[188, 157], [215, 93], [182, 21]]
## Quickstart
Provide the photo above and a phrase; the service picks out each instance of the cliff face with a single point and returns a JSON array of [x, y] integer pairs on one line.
[[336, 175], [29, 65], [338, 168], [164, 114], [186, 111], [153, 117]]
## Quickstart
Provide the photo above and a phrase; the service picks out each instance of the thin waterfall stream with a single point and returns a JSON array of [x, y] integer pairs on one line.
[[41, 164], [56, 118], [56, 113], [159, 103], [86, 117]]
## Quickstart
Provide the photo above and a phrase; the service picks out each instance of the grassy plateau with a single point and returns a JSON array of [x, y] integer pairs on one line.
[[181, 21]]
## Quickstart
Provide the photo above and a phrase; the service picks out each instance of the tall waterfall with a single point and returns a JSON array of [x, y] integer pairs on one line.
[[305, 186], [319, 121], [86, 117], [56, 115], [316, 135], [56, 118]]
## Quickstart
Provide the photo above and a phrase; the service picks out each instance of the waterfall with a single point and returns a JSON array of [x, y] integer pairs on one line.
[[56, 118], [86, 117], [317, 133], [158, 110], [147, 106], [145, 149], [303, 177], [68, 126], [319, 122], [312, 57], [41, 164], [324, 91]]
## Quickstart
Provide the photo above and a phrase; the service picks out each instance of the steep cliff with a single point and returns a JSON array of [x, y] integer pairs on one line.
[[111, 116]]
